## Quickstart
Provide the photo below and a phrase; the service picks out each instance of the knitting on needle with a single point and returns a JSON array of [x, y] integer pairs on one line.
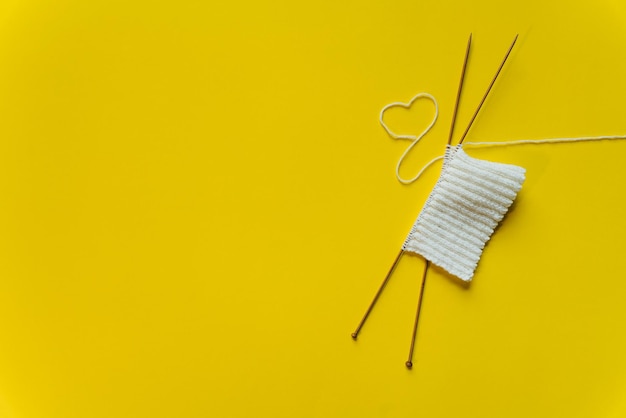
[[409, 362], [355, 334]]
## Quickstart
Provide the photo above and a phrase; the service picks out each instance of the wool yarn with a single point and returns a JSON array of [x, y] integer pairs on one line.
[[468, 201]]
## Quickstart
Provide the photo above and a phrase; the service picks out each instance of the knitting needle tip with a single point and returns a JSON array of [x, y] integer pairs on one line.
[[458, 93], [480, 105], [380, 290]]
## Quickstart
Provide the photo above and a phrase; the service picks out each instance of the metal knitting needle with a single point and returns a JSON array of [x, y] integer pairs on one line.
[[458, 93], [355, 334], [409, 362], [488, 90]]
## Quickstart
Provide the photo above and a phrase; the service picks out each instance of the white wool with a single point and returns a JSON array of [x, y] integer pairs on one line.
[[469, 200]]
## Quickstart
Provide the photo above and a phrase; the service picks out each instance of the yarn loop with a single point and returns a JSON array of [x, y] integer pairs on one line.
[[416, 138]]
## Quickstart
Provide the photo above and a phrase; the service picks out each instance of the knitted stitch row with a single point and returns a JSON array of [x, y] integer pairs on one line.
[[469, 200]]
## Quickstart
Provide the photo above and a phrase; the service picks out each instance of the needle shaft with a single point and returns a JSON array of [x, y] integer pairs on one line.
[[409, 362], [458, 93], [488, 90], [355, 334]]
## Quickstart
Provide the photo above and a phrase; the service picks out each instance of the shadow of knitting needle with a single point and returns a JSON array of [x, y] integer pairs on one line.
[[409, 362]]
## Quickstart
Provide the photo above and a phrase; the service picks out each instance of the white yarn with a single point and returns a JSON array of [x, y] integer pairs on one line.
[[469, 200], [413, 138], [416, 139], [541, 141]]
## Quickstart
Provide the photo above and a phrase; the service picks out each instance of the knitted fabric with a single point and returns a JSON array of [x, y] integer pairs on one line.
[[469, 200]]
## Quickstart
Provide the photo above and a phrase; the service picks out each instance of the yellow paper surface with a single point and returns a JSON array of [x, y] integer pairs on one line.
[[197, 203]]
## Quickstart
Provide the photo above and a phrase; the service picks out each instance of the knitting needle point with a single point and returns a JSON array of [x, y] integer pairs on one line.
[[355, 334], [488, 90], [409, 362], [458, 93]]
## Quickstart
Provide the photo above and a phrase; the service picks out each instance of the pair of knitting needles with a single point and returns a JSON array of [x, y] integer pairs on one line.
[[355, 334]]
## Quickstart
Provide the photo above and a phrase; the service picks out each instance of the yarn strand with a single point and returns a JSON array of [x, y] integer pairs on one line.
[[413, 138], [472, 144], [541, 141]]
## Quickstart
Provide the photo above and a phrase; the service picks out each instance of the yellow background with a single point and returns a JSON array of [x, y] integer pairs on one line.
[[197, 203]]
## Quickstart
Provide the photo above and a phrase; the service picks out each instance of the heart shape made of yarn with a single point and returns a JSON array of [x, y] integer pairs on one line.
[[413, 138]]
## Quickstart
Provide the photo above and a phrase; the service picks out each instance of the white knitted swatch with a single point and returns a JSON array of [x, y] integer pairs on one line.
[[469, 200]]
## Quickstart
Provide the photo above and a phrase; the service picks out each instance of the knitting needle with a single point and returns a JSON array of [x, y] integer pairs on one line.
[[458, 93], [488, 90], [355, 334], [409, 362]]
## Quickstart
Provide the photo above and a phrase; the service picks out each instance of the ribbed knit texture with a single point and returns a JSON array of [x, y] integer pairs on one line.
[[469, 200]]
